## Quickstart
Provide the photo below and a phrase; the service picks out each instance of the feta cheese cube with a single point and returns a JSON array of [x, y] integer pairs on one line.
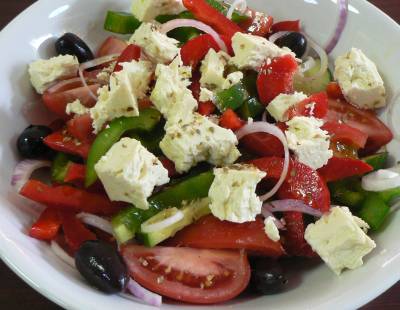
[[147, 10], [212, 69], [129, 172], [206, 95], [232, 79], [271, 230], [252, 51], [105, 74], [278, 107], [308, 141], [233, 193], [158, 47], [170, 94], [189, 142], [339, 239], [76, 108], [139, 74], [44, 72], [359, 80]]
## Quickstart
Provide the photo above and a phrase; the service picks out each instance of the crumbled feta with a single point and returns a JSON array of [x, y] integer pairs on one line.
[[206, 95], [359, 80], [147, 10], [278, 107], [212, 69], [158, 46], [339, 239], [129, 172], [233, 193], [232, 79], [170, 94], [104, 75], [44, 72], [189, 142], [271, 230], [140, 75], [76, 108], [251, 51], [308, 141]]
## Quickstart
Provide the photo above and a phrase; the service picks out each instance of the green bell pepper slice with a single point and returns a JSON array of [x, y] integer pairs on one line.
[[121, 22], [128, 221], [145, 122], [232, 98], [374, 210], [251, 108], [59, 167], [223, 8], [182, 34], [377, 161]]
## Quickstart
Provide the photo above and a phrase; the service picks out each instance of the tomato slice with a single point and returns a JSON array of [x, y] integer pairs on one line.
[[75, 173], [57, 102], [230, 120], [206, 108], [80, 127], [316, 105], [190, 275], [259, 24], [345, 134], [276, 78], [341, 168], [334, 91], [60, 141], [366, 121], [132, 52], [287, 25], [110, 46], [211, 233], [194, 50], [263, 144], [47, 226]]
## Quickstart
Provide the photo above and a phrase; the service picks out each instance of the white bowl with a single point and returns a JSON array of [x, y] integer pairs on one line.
[[31, 35]]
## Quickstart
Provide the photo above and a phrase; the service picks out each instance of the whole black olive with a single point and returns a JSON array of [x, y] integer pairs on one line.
[[295, 41], [30, 142], [101, 265], [71, 44], [266, 276]]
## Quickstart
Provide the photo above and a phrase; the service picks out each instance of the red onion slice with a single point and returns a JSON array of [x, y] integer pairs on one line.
[[381, 180], [241, 5], [290, 205], [177, 23], [55, 87], [343, 15], [275, 131], [91, 64], [60, 253], [277, 35], [143, 294], [24, 170], [96, 221]]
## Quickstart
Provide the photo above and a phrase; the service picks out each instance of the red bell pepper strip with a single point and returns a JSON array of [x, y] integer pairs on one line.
[[316, 105], [210, 16], [194, 50], [75, 232], [341, 168], [334, 91], [47, 226], [346, 134], [230, 120], [68, 198], [80, 127], [276, 78], [288, 25], [75, 173], [132, 52], [263, 144], [60, 141]]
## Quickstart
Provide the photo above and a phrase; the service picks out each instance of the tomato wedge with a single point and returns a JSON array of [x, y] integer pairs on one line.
[[287, 25], [75, 173], [366, 121], [132, 52], [194, 50], [206, 108], [60, 141], [211, 233], [110, 46], [316, 105], [259, 24], [80, 127], [334, 91], [341, 168], [47, 225], [190, 275], [230, 120], [68, 198], [345, 134], [263, 144]]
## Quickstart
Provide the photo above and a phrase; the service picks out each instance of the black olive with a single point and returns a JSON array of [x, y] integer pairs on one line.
[[71, 44], [295, 41], [267, 276], [30, 142], [101, 265]]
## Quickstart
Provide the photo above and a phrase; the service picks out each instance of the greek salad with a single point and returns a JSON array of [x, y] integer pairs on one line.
[[201, 145]]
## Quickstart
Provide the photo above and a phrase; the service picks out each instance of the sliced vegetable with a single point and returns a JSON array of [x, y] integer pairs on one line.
[[211, 233], [374, 211], [80, 127], [263, 144], [381, 180], [232, 98], [60, 141], [190, 275], [334, 91], [75, 232], [310, 85], [75, 173], [287, 25], [287, 205], [377, 161], [68, 198], [111, 46], [59, 167], [128, 221], [251, 108], [132, 52], [259, 23], [230, 120], [145, 122], [47, 226], [341, 168], [347, 192], [316, 105], [223, 8], [182, 34], [194, 51], [340, 132], [23, 171], [206, 108], [121, 22]]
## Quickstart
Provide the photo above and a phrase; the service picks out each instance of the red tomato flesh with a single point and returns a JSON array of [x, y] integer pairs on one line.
[[132, 52], [60, 141], [194, 50], [75, 232], [288, 25], [316, 105], [190, 275], [230, 120], [341, 168], [110, 46], [345, 134], [259, 24]]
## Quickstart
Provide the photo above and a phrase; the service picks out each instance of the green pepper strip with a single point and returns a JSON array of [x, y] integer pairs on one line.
[[121, 22], [377, 161], [374, 210], [145, 122], [182, 34], [128, 221], [236, 17], [251, 108], [232, 98], [59, 167]]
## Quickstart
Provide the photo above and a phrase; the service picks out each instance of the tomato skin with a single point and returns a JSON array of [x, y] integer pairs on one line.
[[132, 52], [47, 225], [110, 46], [211, 233], [288, 25], [341, 168], [366, 121], [276, 78], [319, 110], [194, 50], [194, 262], [61, 142], [259, 24], [345, 134], [75, 173], [206, 108], [75, 232], [263, 144], [80, 127], [230, 120], [334, 91]]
